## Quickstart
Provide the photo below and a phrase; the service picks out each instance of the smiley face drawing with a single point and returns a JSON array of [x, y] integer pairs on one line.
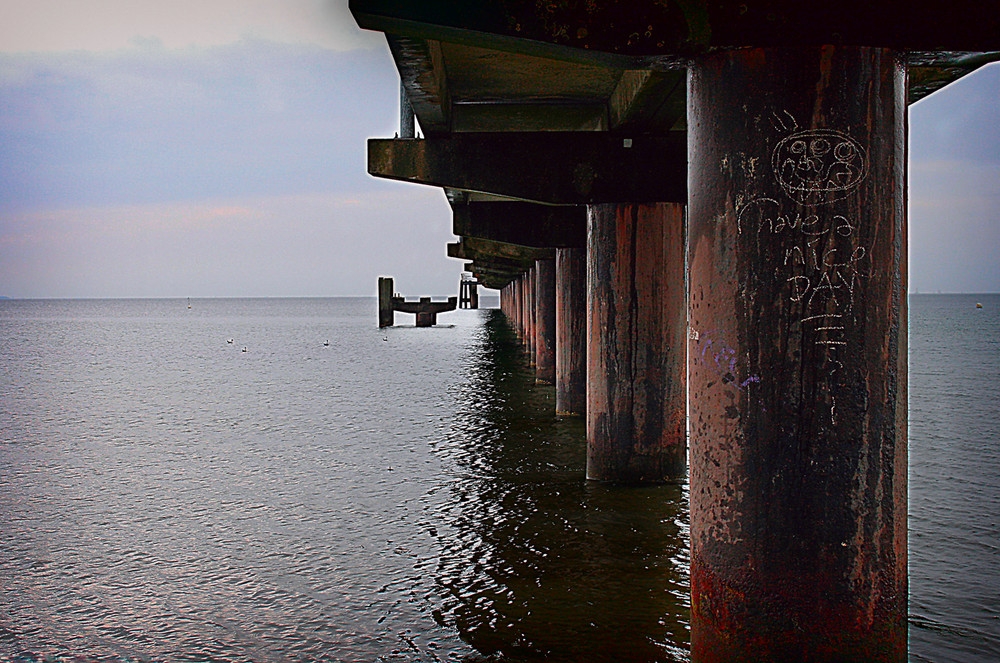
[[819, 166]]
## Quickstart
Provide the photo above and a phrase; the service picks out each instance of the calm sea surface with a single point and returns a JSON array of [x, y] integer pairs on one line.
[[396, 495]]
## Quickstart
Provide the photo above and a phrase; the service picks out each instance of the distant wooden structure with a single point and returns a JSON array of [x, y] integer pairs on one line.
[[468, 292], [424, 309]]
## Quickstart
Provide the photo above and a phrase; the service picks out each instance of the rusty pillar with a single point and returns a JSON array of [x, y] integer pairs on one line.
[[798, 355], [522, 320], [386, 317], [636, 328], [517, 307], [515, 304], [545, 321], [526, 321], [571, 331], [530, 287], [522, 307], [406, 117]]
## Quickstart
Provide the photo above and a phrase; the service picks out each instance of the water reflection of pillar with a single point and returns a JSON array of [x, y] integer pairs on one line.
[[571, 331], [545, 317], [636, 331], [536, 564], [798, 355]]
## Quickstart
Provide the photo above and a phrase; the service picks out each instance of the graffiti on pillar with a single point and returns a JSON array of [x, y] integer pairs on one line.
[[720, 358], [817, 166], [820, 259]]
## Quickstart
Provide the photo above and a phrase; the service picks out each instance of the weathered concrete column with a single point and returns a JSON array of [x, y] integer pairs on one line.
[[545, 321], [798, 355], [519, 303], [386, 317], [636, 331], [515, 307], [406, 118], [571, 331], [531, 334], [521, 322]]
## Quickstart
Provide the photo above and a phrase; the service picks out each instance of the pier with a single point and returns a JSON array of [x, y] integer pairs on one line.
[[425, 310], [695, 215]]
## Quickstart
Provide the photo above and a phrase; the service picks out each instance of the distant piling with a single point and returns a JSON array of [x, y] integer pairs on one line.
[[386, 317]]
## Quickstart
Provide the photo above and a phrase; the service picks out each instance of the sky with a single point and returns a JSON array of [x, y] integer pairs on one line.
[[217, 149]]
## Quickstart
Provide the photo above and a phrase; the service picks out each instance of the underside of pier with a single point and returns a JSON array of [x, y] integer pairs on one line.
[[696, 215]]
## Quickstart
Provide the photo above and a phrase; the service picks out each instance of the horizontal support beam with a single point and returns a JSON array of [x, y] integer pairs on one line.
[[459, 252], [472, 248], [525, 224], [650, 30], [493, 282], [424, 305], [495, 264], [568, 168], [424, 79], [491, 278], [494, 268]]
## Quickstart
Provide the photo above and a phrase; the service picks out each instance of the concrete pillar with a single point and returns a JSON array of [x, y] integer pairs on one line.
[[530, 287], [636, 343], [522, 323], [522, 291], [571, 331], [797, 199], [385, 312], [406, 119], [545, 321], [516, 304]]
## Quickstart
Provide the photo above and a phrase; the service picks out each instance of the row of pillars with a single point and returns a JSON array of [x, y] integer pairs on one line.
[[772, 322]]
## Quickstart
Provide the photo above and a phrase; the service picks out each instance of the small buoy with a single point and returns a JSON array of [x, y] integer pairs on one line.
[[978, 305], [244, 349]]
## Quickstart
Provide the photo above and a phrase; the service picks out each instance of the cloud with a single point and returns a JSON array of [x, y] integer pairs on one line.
[[953, 186], [232, 170], [147, 125], [318, 244], [960, 121], [57, 25]]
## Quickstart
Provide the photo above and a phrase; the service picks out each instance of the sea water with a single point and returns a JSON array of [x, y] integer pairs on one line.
[[336, 492]]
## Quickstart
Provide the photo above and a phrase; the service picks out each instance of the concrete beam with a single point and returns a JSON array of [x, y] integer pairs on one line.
[[568, 168], [524, 224], [493, 269], [424, 79], [459, 251], [648, 30], [644, 98], [475, 246]]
